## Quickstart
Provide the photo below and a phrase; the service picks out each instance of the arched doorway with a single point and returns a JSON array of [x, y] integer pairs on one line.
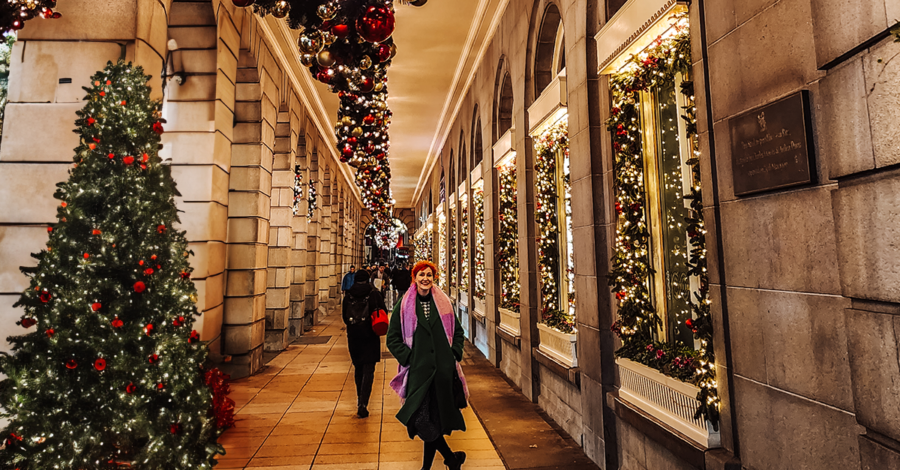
[[392, 253]]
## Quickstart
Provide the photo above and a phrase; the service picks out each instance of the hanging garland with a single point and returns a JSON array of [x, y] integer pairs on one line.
[[508, 238], [312, 199], [423, 246], [631, 267], [548, 145], [453, 251], [464, 244], [442, 252], [14, 13], [298, 189], [478, 207]]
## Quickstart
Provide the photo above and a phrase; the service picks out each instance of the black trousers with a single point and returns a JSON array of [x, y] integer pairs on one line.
[[365, 376]]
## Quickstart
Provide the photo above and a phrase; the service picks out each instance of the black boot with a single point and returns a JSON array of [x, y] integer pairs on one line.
[[362, 412], [458, 459]]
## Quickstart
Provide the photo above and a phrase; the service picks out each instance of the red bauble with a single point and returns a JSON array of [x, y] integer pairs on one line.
[[148, 329], [91, 121], [194, 336], [116, 323], [86, 256], [49, 229], [160, 386], [384, 53], [347, 151], [154, 358], [45, 296], [158, 128], [96, 306], [71, 364], [178, 321], [352, 140], [325, 76], [112, 155], [366, 86], [130, 388], [185, 275], [100, 364], [340, 30], [376, 24], [128, 160], [28, 322], [139, 287], [175, 428], [96, 232], [92, 146], [50, 332], [161, 229], [148, 271], [370, 119]]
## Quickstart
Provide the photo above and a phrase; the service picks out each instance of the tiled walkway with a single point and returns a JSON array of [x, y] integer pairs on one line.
[[300, 413]]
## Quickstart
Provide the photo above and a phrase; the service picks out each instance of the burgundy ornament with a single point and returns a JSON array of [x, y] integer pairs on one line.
[[340, 30], [384, 53], [376, 24], [367, 85]]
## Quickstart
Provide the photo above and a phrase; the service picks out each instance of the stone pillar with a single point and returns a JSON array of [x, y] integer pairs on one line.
[[298, 225], [281, 236], [325, 241], [248, 212], [312, 246]]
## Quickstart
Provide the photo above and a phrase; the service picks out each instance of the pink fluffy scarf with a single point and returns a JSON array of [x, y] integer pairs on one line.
[[408, 324]]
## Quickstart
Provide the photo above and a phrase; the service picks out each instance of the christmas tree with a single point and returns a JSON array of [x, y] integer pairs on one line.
[[109, 372]]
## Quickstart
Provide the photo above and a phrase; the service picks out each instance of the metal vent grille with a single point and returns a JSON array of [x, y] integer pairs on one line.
[[672, 401]]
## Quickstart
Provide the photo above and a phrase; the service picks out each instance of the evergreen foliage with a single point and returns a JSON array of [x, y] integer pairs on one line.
[[109, 371]]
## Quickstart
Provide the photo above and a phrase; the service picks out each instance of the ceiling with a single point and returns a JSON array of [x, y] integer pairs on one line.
[[438, 46]]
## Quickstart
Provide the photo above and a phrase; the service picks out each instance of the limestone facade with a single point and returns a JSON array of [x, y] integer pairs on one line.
[[245, 122], [804, 286]]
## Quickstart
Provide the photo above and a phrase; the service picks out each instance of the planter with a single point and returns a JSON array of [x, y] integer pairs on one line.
[[558, 345], [464, 298], [669, 400], [479, 306], [510, 321], [453, 293]]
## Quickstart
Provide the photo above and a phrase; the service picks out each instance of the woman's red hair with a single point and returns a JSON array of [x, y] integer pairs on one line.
[[422, 265]]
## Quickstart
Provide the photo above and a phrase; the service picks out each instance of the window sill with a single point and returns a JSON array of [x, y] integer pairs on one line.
[[509, 336], [684, 448], [479, 317], [567, 373]]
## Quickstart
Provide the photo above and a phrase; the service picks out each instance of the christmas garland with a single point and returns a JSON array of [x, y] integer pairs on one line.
[[442, 252], [14, 13], [298, 189], [548, 145], [508, 238], [478, 205], [312, 199], [423, 247], [453, 258], [464, 244], [631, 267]]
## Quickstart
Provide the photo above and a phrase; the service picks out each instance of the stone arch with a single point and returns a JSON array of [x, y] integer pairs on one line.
[[452, 183], [548, 45], [463, 158], [503, 101]]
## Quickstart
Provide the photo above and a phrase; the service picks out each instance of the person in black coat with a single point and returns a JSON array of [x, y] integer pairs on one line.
[[365, 346], [401, 279]]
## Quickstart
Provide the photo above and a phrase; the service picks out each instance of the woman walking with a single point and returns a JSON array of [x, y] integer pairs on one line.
[[365, 346], [427, 341]]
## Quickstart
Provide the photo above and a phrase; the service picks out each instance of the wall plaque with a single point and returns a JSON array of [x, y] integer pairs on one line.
[[771, 146]]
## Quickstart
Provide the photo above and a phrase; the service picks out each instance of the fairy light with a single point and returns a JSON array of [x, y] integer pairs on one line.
[[478, 286], [508, 236]]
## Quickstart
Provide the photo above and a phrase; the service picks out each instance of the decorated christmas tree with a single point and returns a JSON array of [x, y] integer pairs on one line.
[[109, 371]]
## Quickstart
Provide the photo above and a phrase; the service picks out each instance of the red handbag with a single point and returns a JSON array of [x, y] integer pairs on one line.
[[379, 322]]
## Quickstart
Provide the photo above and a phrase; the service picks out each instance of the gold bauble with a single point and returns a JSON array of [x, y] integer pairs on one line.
[[365, 62], [357, 131], [325, 58], [281, 9], [310, 43], [307, 60], [346, 120], [194, 298]]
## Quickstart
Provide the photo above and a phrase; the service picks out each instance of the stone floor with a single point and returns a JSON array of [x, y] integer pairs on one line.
[[300, 413]]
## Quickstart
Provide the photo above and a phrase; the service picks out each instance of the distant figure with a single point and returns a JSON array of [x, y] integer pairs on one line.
[[380, 280], [364, 344], [401, 278], [347, 282], [427, 341]]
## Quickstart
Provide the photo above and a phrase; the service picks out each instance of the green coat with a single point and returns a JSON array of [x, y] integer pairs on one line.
[[431, 361]]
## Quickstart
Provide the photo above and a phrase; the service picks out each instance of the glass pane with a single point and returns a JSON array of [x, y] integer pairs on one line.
[[675, 245]]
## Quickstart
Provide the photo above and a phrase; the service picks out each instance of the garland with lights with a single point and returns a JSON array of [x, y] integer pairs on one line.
[[298, 189], [464, 244], [547, 147], [452, 248], [631, 266], [508, 238], [423, 246], [478, 207], [14, 13], [442, 252], [312, 199], [109, 368], [347, 45]]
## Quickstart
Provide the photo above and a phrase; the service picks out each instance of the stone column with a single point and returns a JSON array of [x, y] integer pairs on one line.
[[281, 236], [312, 246], [298, 225], [325, 240], [249, 210]]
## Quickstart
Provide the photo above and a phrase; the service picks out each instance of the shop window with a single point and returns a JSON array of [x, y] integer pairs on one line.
[[454, 259], [658, 273], [464, 242], [478, 286], [508, 245], [442, 250]]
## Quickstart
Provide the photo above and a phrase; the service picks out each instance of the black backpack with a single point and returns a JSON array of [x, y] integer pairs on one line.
[[357, 310]]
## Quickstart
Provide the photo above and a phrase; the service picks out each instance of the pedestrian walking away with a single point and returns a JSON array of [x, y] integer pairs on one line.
[[364, 344], [427, 341]]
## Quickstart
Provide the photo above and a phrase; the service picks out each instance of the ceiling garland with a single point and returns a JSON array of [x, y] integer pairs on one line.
[[347, 45]]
